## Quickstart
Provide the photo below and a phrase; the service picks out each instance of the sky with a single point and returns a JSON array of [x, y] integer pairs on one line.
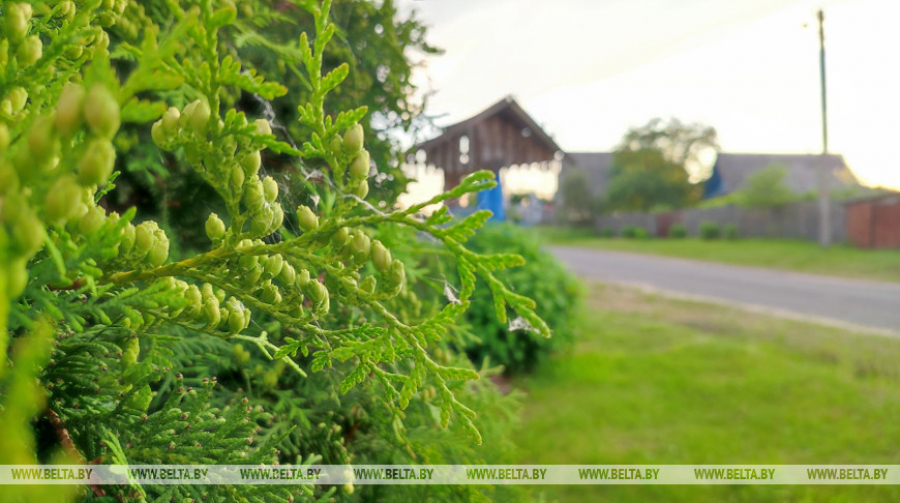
[[587, 70]]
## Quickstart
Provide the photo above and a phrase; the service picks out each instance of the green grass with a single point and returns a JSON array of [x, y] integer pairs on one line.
[[663, 381], [802, 256]]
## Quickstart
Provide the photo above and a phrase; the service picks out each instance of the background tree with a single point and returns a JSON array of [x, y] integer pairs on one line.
[[578, 203], [655, 165], [766, 189], [377, 43]]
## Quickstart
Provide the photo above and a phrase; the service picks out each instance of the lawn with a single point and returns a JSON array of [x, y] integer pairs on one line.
[[802, 256], [663, 381]]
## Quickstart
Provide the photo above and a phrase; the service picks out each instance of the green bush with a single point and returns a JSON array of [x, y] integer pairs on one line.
[[578, 205], [542, 278], [641, 233], [731, 231], [293, 326], [709, 230], [677, 231], [607, 232], [766, 188], [629, 231]]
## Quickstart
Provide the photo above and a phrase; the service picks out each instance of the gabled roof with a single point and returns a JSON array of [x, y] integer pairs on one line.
[[802, 170], [595, 165], [509, 109], [731, 169]]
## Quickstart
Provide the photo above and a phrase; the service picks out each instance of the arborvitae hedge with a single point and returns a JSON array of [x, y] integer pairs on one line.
[[295, 336]]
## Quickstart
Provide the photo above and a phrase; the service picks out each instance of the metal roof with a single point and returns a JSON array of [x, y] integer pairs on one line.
[[802, 170], [595, 165]]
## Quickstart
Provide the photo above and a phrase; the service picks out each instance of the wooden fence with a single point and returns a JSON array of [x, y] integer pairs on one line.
[[798, 220]]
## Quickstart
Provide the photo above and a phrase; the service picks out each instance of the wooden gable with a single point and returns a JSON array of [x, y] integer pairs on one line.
[[501, 136]]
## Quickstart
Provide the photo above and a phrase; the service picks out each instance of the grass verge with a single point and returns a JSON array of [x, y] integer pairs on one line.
[[790, 255], [662, 381]]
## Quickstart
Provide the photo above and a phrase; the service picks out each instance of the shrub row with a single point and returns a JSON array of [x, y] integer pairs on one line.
[[712, 230], [706, 230]]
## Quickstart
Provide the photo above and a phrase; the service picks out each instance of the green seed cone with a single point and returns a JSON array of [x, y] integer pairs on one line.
[[362, 190], [128, 236], [96, 165], [160, 250], [308, 220], [235, 321], [274, 265], [92, 221], [29, 51], [359, 169], [253, 195], [199, 118], [215, 227], [340, 237], [367, 286], [353, 138], [143, 238], [170, 120], [69, 110], [28, 233], [101, 111], [303, 278], [361, 246], [288, 274], [159, 136], [262, 127], [15, 20], [18, 278], [381, 257], [270, 189], [18, 96], [63, 200], [251, 163], [42, 139]]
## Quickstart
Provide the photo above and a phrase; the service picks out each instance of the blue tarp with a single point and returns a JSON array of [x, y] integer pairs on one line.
[[493, 200]]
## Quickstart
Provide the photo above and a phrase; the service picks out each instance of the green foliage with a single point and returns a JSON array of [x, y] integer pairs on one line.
[[649, 184], [709, 230], [607, 232], [719, 201], [731, 232], [677, 231], [634, 231], [121, 343], [766, 188], [651, 167], [516, 344], [578, 202], [372, 38]]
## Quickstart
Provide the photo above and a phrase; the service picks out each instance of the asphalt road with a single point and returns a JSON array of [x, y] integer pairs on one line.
[[829, 300]]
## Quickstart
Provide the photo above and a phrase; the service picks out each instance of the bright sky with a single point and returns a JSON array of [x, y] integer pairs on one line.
[[587, 70]]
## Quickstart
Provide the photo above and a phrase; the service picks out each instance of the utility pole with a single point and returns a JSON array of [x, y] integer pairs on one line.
[[824, 203]]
